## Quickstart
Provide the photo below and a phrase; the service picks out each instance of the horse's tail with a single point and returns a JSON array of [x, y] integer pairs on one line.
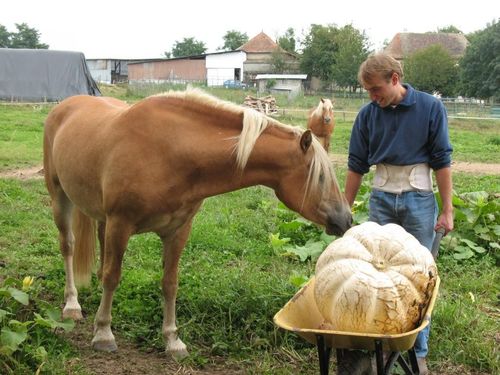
[[84, 230]]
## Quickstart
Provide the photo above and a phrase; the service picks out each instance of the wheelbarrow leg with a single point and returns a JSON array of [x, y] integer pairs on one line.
[[405, 366], [323, 354], [379, 357], [413, 361], [384, 363]]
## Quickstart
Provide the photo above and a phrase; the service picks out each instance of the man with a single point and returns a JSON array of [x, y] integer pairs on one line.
[[404, 132]]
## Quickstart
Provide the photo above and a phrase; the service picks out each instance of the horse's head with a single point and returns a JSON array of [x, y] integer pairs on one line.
[[296, 166], [309, 187], [325, 110]]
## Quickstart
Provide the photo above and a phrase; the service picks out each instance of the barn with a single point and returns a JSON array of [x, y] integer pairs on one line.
[[42, 75], [260, 52], [176, 70], [223, 66], [109, 70]]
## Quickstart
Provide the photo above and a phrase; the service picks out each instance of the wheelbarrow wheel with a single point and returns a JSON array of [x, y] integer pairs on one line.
[[354, 362]]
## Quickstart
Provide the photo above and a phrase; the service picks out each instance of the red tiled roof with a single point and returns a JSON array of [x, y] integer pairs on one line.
[[405, 44], [259, 43]]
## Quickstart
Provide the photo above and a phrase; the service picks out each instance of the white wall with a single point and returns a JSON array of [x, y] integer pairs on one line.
[[100, 69], [221, 67]]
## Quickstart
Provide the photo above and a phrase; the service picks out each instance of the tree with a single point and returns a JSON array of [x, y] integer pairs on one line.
[[233, 40], [25, 37], [334, 54], [318, 53], [432, 69], [353, 49], [287, 41], [188, 47], [450, 29], [480, 66], [4, 37], [278, 61]]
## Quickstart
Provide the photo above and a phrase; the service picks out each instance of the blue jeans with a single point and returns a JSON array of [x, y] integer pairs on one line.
[[415, 211]]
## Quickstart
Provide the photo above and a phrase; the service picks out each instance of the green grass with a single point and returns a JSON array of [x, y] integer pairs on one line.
[[465, 321], [21, 135], [464, 182]]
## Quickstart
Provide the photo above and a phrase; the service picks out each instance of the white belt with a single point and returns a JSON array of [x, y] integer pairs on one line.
[[399, 178]]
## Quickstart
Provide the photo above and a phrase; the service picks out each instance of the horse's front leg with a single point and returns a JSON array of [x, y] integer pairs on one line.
[[172, 249], [117, 234], [62, 211], [101, 233]]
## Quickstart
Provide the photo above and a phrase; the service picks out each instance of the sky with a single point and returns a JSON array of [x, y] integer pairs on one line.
[[147, 28]]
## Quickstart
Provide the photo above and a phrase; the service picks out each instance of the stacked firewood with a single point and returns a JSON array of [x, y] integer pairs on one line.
[[266, 104]]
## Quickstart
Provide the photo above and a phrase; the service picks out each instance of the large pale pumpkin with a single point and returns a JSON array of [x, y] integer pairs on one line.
[[375, 279]]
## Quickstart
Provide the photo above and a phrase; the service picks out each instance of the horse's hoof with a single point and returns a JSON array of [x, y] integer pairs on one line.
[[177, 354], [105, 346], [75, 314]]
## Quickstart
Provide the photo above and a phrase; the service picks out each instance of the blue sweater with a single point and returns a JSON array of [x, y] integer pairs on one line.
[[415, 131]]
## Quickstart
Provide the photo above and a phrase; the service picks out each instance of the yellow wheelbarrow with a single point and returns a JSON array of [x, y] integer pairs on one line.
[[300, 315]]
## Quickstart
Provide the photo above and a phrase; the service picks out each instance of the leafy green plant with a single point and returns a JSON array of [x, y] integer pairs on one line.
[[24, 331], [360, 206], [297, 237], [477, 226]]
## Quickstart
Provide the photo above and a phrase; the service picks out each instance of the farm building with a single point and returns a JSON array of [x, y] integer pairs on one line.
[[260, 51], [182, 69], [406, 44], [291, 84], [43, 75], [223, 66], [109, 70]]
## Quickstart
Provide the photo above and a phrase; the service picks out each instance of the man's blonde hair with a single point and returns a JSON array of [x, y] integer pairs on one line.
[[379, 65]]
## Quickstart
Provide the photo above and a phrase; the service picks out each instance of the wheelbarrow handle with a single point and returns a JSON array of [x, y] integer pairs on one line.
[[437, 240]]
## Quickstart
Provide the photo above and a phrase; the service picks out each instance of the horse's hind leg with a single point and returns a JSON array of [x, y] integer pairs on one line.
[[116, 236], [62, 210]]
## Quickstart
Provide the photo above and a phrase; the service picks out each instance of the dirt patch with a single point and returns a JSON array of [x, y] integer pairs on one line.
[[24, 174], [130, 359], [476, 168]]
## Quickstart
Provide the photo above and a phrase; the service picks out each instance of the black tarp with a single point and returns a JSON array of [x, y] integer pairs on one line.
[[43, 75]]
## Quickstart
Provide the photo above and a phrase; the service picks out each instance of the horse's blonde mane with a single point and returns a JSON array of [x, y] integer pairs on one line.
[[321, 174], [203, 98], [325, 103]]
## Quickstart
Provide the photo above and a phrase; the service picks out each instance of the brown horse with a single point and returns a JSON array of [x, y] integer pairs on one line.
[[148, 167], [321, 122]]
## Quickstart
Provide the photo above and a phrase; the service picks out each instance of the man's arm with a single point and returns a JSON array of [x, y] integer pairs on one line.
[[445, 187], [352, 184]]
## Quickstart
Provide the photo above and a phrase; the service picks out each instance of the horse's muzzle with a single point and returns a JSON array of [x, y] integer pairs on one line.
[[338, 225]]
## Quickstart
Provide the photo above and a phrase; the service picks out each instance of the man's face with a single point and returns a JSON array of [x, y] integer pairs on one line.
[[382, 91]]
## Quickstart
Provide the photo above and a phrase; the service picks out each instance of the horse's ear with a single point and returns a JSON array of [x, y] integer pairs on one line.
[[322, 100], [306, 140]]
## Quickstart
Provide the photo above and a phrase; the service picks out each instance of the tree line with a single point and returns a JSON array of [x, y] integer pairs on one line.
[[334, 54]]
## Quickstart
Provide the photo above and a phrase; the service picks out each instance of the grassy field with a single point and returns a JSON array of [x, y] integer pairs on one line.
[[232, 279]]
